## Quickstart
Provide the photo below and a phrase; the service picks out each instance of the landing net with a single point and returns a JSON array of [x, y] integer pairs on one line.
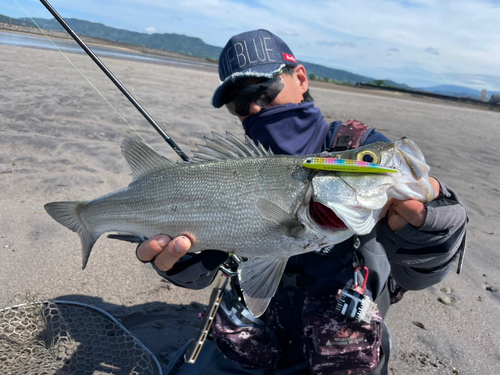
[[69, 338]]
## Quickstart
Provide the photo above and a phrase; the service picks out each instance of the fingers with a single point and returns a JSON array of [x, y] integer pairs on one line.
[[174, 251], [164, 250], [411, 211], [406, 212], [149, 249], [435, 185], [394, 220]]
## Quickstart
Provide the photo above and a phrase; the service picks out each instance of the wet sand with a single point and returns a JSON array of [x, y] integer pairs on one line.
[[60, 140]]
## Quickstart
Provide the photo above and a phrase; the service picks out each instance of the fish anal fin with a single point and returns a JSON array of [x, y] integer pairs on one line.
[[259, 278], [293, 228]]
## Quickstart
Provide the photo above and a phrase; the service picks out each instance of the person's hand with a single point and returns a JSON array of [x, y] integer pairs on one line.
[[410, 211], [164, 250]]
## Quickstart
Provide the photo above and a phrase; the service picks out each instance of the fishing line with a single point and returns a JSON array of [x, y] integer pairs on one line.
[[82, 74], [111, 76]]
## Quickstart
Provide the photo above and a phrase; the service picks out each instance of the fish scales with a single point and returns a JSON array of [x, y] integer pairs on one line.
[[190, 199]]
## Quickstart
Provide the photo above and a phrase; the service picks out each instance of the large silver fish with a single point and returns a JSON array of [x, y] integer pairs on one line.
[[236, 197]]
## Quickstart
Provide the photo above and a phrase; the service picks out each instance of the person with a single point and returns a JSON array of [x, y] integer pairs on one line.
[[301, 332]]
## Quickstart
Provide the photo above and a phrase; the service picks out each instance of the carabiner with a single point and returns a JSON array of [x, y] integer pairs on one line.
[[356, 277]]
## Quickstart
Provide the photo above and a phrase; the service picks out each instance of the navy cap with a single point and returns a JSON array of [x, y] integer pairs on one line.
[[257, 53]]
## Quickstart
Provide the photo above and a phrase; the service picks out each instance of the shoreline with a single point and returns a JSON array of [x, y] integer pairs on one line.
[[63, 35]]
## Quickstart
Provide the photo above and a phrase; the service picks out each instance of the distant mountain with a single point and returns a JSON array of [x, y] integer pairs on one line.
[[14, 21], [334, 74], [399, 85], [457, 91], [168, 42], [451, 90]]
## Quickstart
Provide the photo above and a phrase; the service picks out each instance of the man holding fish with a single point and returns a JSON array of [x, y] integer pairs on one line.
[[320, 320]]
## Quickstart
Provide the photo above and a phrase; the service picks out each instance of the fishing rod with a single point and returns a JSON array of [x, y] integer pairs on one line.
[[111, 76]]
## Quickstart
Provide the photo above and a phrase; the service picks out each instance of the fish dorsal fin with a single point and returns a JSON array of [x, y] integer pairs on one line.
[[259, 278], [220, 148], [142, 159]]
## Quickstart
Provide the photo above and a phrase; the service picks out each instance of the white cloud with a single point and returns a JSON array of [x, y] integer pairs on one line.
[[465, 33], [150, 29], [289, 33]]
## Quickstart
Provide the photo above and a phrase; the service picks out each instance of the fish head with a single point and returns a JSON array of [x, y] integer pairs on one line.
[[354, 202]]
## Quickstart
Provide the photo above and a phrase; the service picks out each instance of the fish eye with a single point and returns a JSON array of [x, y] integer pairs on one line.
[[367, 156]]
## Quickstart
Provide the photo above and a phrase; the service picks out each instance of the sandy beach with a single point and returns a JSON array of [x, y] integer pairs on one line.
[[60, 140]]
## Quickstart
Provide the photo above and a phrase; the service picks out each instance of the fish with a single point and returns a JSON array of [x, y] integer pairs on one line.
[[238, 197]]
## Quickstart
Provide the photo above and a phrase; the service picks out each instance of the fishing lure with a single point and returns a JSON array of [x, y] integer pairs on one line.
[[345, 165]]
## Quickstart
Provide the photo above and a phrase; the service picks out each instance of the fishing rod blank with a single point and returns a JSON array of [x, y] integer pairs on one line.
[[118, 84]]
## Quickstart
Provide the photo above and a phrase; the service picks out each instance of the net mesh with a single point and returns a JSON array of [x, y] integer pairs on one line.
[[68, 338]]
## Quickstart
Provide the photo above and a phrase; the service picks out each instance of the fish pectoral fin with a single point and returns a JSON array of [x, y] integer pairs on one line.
[[259, 278], [293, 228], [142, 159]]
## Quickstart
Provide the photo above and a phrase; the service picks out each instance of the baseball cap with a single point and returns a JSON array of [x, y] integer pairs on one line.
[[257, 53]]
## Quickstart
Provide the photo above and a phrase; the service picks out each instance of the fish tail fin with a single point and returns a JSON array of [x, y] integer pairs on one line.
[[69, 215]]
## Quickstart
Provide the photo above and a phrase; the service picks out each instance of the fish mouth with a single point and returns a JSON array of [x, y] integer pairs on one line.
[[325, 217]]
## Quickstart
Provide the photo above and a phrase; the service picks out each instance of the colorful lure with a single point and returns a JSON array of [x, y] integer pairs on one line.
[[345, 165]]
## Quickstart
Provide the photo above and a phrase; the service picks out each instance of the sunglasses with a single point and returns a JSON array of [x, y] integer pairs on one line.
[[262, 94]]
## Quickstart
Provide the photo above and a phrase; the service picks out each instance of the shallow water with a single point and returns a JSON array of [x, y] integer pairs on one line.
[[21, 40]]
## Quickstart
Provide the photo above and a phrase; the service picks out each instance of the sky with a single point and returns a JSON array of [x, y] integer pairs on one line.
[[421, 43]]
